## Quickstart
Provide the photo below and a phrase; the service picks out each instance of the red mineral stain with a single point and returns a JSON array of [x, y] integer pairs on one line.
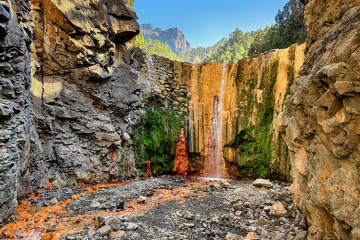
[[181, 164]]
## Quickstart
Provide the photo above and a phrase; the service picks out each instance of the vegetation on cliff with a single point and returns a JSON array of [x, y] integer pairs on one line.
[[155, 139]]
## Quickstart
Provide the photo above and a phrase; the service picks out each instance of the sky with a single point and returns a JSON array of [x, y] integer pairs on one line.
[[205, 22]]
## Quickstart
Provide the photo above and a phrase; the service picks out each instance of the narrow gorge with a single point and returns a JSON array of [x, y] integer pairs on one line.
[[77, 98]]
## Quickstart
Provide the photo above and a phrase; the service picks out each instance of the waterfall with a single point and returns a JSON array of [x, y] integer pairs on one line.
[[213, 160], [149, 69]]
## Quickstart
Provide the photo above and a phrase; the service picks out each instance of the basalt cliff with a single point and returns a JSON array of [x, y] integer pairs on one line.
[[74, 88], [321, 122]]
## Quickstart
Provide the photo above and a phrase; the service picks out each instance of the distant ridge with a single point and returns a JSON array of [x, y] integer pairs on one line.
[[172, 36]]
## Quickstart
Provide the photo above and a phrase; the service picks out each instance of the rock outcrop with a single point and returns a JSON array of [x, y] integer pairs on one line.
[[84, 91], [322, 120], [15, 102], [65, 115]]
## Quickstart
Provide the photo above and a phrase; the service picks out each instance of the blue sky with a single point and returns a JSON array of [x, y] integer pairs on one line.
[[205, 22]]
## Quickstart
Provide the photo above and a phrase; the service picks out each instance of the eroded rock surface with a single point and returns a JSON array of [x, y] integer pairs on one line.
[[322, 122], [16, 128]]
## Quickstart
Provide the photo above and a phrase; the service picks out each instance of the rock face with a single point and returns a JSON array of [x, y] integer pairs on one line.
[[172, 36], [15, 102], [84, 91], [65, 115], [322, 120]]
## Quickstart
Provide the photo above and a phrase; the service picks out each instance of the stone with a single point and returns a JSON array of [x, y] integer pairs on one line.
[[188, 215], [262, 221], [231, 236], [225, 184], [239, 207], [118, 235], [54, 201], [262, 183], [104, 231], [114, 223], [189, 225], [277, 209], [130, 226], [141, 199], [99, 222]]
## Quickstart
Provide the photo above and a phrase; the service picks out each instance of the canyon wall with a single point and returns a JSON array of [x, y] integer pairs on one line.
[[322, 120], [65, 114], [15, 102]]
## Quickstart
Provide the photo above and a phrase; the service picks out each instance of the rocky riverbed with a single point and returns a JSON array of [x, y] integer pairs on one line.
[[161, 208]]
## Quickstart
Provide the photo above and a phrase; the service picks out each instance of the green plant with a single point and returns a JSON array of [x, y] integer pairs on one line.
[[155, 139]]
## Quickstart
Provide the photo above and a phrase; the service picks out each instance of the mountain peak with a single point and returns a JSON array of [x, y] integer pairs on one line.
[[174, 37]]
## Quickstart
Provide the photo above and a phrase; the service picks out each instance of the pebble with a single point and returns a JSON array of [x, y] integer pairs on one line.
[[131, 226], [141, 199]]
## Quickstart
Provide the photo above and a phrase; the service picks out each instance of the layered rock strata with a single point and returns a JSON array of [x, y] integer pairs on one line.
[[322, 120]]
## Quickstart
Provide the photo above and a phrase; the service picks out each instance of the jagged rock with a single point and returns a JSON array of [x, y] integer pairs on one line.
[[320, 111], [262, 183]]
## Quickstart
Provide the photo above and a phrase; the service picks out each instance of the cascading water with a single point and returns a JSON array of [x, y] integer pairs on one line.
[[213, 159], [150, 67]]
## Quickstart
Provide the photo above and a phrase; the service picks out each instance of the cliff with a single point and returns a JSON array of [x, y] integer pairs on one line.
[[15, 102], [322, 120], [65, 114]]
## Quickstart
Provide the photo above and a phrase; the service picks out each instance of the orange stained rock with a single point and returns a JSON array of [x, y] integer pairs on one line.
[[181, 164], [55, 222], [148, 169]]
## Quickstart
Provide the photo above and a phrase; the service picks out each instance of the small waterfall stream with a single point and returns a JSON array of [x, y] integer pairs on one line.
[[213, 159], [149, 69]]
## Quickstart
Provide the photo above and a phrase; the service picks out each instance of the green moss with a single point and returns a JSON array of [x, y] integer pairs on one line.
[[155, 139], [254, 143]]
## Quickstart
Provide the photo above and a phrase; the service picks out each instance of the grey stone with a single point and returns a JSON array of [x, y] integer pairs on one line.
[[104, 231]]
